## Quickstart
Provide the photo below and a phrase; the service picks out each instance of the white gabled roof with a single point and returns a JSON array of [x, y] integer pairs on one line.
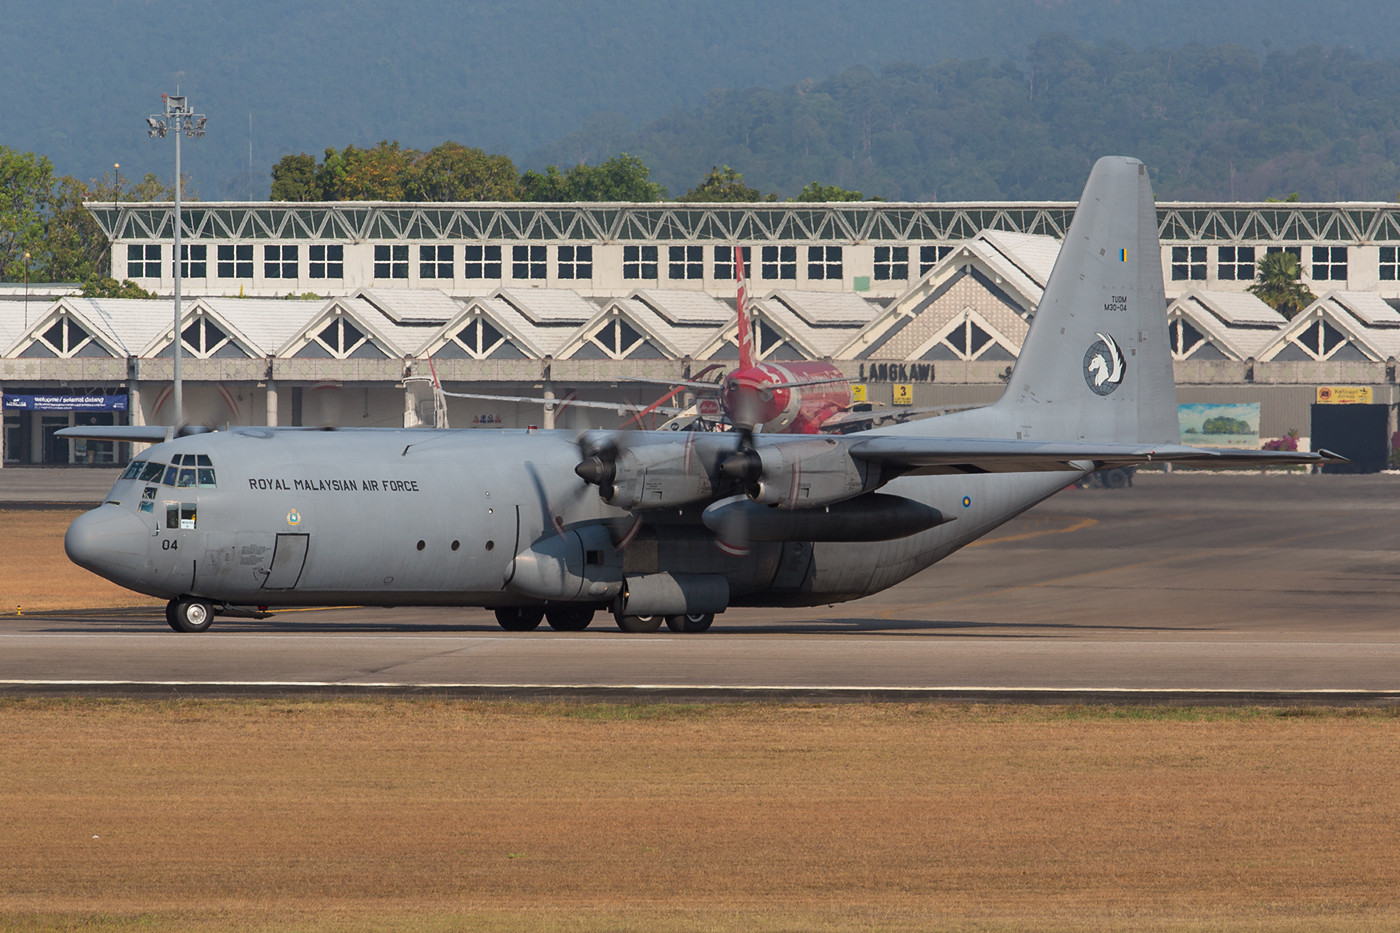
[[828, 309], [1364, 319], [1032, 255], [548, 306], [682, 308], [533, 340], [124, 325], [394, 339], [1239, 325], [411, 305], [678, 341], [13, 325], [1367, 307], [1017, 264]]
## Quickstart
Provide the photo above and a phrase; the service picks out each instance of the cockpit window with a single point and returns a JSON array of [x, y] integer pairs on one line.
[[190, 470], [133, 469], [150, 472]]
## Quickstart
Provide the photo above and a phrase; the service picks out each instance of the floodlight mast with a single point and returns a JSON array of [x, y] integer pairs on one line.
[[185, 122]]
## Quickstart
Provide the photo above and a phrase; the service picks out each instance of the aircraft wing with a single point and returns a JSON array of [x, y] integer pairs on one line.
[[929, 455], [619, 407], [132, 433], [849, 421]]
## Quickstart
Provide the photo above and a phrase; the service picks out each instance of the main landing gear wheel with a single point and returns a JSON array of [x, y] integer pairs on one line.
[[567, 618], [519, 618], [638, 625], [188, 614], [690, 623]]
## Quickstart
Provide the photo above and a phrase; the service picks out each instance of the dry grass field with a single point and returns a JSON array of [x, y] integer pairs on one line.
[[443, 815], [38, 576]]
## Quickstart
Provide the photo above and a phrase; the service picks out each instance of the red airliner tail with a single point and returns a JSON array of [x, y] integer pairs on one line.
[[745, 328]]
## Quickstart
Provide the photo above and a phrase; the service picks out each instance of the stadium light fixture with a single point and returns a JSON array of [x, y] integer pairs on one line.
[[185, 122]]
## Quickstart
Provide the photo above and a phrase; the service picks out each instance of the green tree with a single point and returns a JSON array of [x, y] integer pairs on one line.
[[294, 178], [75, 248], [1279, 284], [820, 193], [454, 172], [26, 199], [622, 178], [378, 174], [724, 185], [104, 286], [549, 185]]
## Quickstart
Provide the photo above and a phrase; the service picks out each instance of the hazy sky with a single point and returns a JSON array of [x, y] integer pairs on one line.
[[79, 77]]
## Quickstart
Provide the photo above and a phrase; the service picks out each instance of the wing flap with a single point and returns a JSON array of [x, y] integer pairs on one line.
[[932, 455]]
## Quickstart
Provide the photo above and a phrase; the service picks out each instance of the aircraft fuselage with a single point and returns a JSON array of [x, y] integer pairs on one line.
[[254, 517]]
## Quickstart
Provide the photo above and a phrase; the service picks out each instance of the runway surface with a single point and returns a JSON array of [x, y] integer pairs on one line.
[[1186, 588]]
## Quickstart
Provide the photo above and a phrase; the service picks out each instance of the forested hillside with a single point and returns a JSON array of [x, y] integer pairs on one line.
[[1212, 122], [514, 76]]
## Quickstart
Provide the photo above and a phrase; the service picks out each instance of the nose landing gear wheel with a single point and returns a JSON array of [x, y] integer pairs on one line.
[[519, 618], [638, 625], [691, 623], [189, 614], [569, 618]]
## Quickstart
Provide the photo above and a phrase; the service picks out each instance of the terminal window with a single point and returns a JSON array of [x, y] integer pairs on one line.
[[528, 262], [435, 262], [236, 261], [1329, 263], [194, 261], [640, 262], [1188, 263], [575, 262], [779, 262], [143, 261], [824, 262], [687, 262], [1390, 264], [929, 256], [1235, 264], [390, 262], [327, 261], [724, 262], [891, 263], [481, 262], [279, 262]]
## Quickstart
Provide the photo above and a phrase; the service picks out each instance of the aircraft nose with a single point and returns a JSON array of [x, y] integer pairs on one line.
[[109, 541]]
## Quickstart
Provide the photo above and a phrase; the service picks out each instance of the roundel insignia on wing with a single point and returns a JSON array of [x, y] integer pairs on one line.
[[1103, 365]]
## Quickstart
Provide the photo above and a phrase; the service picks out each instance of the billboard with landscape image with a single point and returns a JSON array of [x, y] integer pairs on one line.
[[1232, 424]]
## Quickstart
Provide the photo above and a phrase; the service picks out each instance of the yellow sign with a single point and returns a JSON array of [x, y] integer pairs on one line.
[[904, 393], [1344, 395], [858, 392]]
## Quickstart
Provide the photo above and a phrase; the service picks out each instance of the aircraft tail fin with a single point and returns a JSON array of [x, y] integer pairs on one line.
[[745, 335], [1096, 364]]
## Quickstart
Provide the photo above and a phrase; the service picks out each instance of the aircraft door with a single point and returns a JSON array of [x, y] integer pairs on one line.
[[288, 559]]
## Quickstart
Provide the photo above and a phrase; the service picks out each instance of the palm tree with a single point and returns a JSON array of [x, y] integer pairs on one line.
[[1279, 284]]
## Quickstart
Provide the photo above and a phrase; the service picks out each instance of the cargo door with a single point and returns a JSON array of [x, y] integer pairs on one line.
[[288, 558]]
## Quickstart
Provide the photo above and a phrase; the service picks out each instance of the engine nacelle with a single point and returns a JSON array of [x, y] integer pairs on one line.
[[806, 474], [653, 476]]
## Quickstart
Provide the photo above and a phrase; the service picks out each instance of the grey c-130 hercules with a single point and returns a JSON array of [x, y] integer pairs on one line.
[[660, 527]]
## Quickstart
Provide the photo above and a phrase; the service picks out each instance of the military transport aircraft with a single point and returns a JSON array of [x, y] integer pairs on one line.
[[660, 527]]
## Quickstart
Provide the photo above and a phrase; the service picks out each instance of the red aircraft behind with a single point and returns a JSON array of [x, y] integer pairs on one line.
[[786, 398]]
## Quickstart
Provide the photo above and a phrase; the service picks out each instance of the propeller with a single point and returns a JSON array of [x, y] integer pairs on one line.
[[599, 464]]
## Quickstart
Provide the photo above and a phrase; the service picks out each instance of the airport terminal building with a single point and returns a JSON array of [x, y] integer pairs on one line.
[[336, 313]]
